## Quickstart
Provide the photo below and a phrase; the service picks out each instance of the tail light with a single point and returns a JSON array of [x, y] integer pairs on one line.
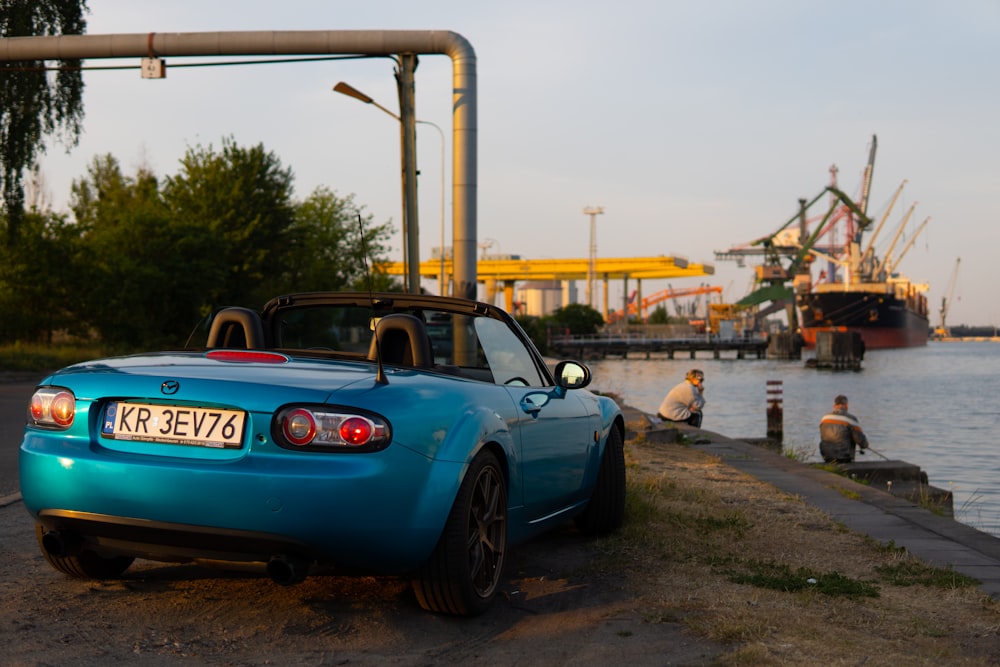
[[52, 407], [326, 428]]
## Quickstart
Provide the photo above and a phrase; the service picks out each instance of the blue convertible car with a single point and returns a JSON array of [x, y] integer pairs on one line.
[[371, 433]]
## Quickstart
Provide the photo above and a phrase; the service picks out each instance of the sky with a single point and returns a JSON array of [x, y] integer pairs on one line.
[[696, 125]]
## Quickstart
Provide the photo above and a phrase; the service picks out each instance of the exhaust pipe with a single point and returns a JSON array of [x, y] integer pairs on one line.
[[59, 544], [287, 570]]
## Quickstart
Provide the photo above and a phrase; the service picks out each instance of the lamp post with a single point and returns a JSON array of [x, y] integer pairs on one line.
[[593, 212], [411, 258]]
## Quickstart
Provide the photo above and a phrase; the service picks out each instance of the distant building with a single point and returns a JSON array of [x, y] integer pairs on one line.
[[543, 297]]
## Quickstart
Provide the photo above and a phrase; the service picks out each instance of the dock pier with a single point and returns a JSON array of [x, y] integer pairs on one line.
[[602, 346], [903, 480]]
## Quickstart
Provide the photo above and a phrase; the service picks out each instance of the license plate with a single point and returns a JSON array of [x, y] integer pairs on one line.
[[174, 425]]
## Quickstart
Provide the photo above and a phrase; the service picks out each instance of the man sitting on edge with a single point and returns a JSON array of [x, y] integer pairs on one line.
[[839, 433]]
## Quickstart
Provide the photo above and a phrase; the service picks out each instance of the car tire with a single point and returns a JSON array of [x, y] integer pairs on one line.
[[606, 509], [464, 572], [85, 564]]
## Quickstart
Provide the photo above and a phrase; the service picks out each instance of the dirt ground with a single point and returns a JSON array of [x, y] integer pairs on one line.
[[559, 605], [159, 613]]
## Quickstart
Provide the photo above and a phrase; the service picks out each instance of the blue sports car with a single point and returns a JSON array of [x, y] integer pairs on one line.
[[371, 433]]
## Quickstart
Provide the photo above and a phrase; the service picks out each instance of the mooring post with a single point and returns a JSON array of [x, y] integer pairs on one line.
[[775, 410]]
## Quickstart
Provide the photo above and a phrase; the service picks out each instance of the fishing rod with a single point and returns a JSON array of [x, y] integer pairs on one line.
[[872, 449]]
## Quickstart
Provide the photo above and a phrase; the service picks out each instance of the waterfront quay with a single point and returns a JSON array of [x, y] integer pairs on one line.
[[887, 514], [624, 344]]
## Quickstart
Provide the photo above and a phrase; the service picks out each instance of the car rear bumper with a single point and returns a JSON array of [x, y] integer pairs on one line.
[[141, 538], [381, 512]]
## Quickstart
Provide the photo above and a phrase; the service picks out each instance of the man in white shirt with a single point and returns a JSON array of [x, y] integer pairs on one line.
[[684, 402]]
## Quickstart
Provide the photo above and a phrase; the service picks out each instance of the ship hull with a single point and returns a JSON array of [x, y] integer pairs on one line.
[[883, 320]]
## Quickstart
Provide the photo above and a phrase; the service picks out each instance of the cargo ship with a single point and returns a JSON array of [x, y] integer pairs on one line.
[[887, 314], [866, 294], [857, 290]]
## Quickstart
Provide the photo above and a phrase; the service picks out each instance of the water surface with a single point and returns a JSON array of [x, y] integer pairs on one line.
[[935, 406]]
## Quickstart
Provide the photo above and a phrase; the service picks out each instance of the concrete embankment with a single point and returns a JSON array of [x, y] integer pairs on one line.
[[865, 503]]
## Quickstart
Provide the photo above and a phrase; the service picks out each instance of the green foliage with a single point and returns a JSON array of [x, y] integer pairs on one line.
[[575, 319], [328, 231], [146, 259], [140, 272], [580, 319], [537, 331], [37, 280], [910, 572], [658, 316], [241, 199], [35, 358], [34, 104], [781, 577]]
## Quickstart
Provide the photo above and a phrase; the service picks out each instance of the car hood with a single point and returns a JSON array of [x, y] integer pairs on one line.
[[192, 376]]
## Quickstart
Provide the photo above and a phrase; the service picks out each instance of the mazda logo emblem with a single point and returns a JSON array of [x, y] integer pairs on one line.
[[170, 387]]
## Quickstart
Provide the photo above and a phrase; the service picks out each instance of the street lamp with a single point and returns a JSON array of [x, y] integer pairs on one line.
[[411, 254], [593, 212], [358, 95]]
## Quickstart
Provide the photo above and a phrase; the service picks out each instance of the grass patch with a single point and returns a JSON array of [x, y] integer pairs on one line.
[[800, 453], [735, 561], [911, 572], [934, 503], [782, 577], [847, 493], [33, 357], [835, 468]]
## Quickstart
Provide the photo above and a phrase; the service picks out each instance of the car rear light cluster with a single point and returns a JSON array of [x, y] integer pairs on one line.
[[322, 428], [52, 407]]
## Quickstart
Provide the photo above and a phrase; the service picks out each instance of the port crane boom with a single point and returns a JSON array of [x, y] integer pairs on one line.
[[942, 329]]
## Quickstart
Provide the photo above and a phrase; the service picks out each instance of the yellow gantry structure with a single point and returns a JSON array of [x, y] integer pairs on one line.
[[495, 273]]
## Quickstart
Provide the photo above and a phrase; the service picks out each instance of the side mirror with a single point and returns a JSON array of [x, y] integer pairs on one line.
[[572, 375]]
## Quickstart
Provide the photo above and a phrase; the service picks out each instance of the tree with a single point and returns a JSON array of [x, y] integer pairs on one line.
[[35, 298], [658, 316], [537, 330], [33, 104], [144, 259], [580, 319], [242, 198], [156, 257], [331, 255], [141, 271]]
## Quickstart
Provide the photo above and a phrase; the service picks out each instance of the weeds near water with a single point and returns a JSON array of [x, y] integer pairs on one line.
[[972, 513], [935, 503], [835, 468], [969, 502], [800, 453], [850, 494]]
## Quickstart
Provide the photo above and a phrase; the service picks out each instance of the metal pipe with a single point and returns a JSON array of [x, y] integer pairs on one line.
[[313, 42]]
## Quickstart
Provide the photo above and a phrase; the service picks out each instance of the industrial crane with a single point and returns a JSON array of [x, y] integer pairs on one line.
[[663, 295], [942, 329]]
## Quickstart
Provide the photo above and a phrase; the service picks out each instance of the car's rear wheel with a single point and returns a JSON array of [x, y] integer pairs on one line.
[[606, 509], [83, 564], [463, 574]]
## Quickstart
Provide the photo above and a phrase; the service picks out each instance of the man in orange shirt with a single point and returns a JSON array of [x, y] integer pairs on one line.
[[839, 433]]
